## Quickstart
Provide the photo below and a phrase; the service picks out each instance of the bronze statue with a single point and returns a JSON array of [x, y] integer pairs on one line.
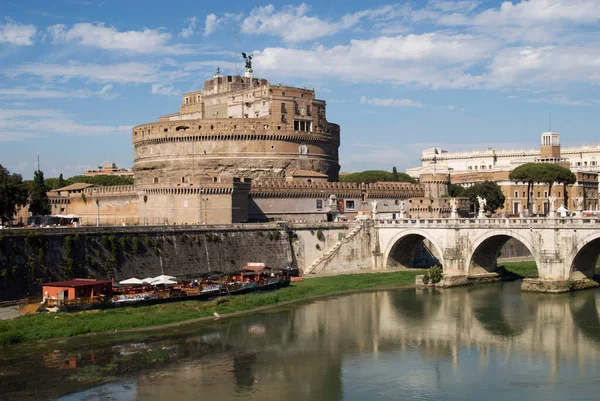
[[248, 60]]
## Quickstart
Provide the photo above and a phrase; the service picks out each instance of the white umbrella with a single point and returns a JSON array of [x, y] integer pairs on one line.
[[164, 281], [132, 281], [147, 280], [163, 277]]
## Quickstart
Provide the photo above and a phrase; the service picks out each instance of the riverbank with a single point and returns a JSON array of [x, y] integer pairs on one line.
[[37, 327]]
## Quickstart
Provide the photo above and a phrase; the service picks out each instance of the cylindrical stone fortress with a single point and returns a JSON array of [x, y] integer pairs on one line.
[[237, 126]]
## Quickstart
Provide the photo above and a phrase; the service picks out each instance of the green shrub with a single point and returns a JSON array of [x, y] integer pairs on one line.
[[270, 236], [320, 235], [318, 247], [104, 241], [135, 244], [11, 338], [570, 285], [145, 241], [276, 235], [123, 243], [434, 275]]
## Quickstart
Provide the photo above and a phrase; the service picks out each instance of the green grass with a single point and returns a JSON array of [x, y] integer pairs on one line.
[[521, 269], [35, 327]]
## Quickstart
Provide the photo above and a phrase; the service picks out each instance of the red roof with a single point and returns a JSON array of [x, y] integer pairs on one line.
[[78, 282]]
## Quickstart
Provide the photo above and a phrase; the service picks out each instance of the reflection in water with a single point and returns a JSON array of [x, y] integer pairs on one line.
[[413, 344]]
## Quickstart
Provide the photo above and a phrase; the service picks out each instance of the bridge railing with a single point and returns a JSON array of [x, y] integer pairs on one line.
[[533, 222]]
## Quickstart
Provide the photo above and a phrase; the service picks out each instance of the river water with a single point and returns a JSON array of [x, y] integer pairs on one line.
[[490, 342]]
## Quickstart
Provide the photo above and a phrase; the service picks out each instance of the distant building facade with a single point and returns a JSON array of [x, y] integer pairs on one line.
[[108, 169], [469, 168]]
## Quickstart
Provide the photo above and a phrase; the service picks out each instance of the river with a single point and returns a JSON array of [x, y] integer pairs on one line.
[[489, 342]]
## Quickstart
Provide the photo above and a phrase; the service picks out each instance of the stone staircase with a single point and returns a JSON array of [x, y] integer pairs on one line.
[[327, 256]]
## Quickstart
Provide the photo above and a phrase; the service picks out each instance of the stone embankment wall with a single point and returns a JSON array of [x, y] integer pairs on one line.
[[31, 257]]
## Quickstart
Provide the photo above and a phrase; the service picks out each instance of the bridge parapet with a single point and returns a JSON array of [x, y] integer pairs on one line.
[[532, 222]]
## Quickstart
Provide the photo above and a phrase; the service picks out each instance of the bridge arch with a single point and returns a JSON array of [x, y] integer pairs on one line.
[[582, 261], [483, 254], [402, 248]]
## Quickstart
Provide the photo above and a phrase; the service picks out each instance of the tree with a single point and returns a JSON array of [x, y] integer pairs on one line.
[[13, 193], [528, 173], [488, 190], [394, 174], [39, 204], [455, 190], [61, 181], [370, 176]]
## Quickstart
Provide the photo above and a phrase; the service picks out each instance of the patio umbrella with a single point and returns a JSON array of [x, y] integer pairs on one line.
[[132, 281], [163, 277], [164, 281], [147, 280]]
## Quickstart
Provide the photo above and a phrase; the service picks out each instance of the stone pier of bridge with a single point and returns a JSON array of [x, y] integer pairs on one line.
[[565, 250]]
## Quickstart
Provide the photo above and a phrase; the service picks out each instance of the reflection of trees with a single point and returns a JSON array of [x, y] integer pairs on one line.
[[417, 306], [497, 305], [242, 370], [585, 314]]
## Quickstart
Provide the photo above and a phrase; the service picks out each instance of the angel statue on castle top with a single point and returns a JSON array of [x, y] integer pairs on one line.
[[248, 60]]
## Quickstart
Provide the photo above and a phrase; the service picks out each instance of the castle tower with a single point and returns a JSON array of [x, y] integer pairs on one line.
[[436, 185], [550, 146]]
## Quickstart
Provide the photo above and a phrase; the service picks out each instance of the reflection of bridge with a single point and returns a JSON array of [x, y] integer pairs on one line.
[[563, 249]]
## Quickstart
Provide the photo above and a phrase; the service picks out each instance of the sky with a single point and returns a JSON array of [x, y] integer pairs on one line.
[[76, 75]]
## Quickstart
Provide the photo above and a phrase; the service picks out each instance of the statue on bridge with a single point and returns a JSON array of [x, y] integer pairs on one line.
[[551, 205], [453, 208], [482, 203], [579, 206], [402, 209], [374, 209]]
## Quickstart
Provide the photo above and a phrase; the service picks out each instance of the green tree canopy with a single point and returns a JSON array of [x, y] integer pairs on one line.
[[455, 190], [546, 173], [394, 174], [488, 190], [39, 204], [13, 193], [102, 180], [370, 176], [61, 181]]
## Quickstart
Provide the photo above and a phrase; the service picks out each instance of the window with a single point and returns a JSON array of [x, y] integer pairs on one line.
[[187, 100], [185, 203], [490, 167], [182, 180], [516, 194], [303, 149], [349, 205], [545, 194], [523, 194], [319, 204], [538, 195], [397, 202], [155, 180], [166, 130], [282, 93]]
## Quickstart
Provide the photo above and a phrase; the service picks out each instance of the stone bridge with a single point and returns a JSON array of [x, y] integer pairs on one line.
[[564, 249]]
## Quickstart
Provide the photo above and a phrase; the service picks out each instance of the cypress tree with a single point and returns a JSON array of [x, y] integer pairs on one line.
[[39, 205]]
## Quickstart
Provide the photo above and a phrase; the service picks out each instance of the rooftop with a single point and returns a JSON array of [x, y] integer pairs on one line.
[[78, 186], [78, 282]]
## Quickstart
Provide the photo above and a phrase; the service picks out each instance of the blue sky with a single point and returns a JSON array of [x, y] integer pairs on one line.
[[76, 75]]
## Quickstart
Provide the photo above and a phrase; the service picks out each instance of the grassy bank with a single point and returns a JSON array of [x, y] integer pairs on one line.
[[52, 325], [526, 269]]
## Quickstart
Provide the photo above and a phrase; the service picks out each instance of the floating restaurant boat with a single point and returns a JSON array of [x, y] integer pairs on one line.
[[133, 292]]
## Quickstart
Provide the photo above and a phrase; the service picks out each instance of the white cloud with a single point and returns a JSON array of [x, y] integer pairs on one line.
[[17, 34], [453, 6], [45, 93], [159, 89], [211, 23], [126, 73], [431, 60], [546, 66], [109, 38], [48, 121], [189, 31], [390, 102], [293, 24], [563, 100]]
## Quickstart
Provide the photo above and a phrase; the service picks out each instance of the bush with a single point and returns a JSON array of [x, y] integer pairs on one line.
[[434, 275], [135, 244], [320, 235], [318, 247], [276, 235], [270, 236]]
